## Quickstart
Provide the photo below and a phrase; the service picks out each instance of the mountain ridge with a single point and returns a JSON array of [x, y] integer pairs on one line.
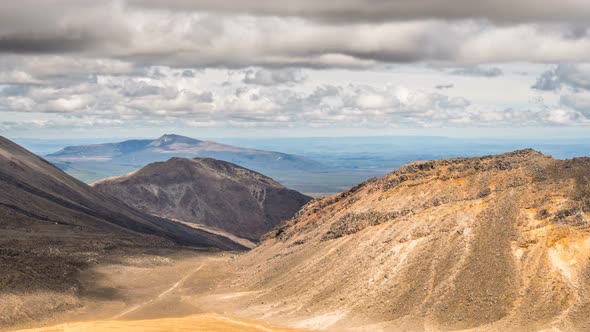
[[499, 242], [93, 162], [53, 228], [208, 192]]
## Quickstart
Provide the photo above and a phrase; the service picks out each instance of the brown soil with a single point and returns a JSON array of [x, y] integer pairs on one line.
[[492, 243]]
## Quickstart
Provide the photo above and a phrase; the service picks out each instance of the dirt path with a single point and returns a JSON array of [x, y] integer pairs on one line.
[[161, 295]]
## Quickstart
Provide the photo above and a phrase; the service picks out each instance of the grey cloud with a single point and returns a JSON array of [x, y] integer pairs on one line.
[[15, 90], [381, 11], [58, 70], [269, 77], [478, 71], [21, 43], [222, 34], [137, 89], [61, 26], [444, 86], [188, 73], [576, 31], [579, 102], [548, 81], [573, 76]]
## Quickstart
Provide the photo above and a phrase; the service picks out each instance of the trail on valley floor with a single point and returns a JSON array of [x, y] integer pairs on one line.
[[161, 295]]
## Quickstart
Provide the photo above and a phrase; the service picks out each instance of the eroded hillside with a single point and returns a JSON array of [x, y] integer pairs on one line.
[[498, 242], [207, 192]]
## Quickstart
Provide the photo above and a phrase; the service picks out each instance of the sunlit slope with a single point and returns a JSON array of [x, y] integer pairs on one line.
[[497, 243]]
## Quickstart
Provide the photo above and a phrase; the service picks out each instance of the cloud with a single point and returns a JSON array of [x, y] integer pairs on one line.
[[563, 117], [579, 102], [162, 96], [17, 77], [133, 88], [444, 86], [188, 73], [573, 76], [381, 11], [273, 76], [61, 26], [61, 70], [327, 34], [478, 72]]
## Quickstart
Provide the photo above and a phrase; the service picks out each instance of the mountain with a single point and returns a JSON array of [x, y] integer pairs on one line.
[[208, 192], [497, 243], [52, 227], [90, 163]]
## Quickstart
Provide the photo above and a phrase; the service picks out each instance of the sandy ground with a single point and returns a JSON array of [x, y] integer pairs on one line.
[[178, 292], [203, 323]]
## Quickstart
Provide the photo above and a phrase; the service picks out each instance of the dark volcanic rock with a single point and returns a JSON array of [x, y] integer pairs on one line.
[[208, 192]]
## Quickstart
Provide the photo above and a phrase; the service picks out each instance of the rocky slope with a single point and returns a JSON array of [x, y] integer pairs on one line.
[[207, 192], [52, 226], [492, 243]]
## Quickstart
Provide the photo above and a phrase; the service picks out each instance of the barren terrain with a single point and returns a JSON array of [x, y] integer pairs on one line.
[[492, 243], [161, 291], [204, 191], [497, 243]]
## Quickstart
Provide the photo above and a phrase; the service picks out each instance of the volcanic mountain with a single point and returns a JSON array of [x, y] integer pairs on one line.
[[52, 226], [208, 192], [93, 162], [498, 243]]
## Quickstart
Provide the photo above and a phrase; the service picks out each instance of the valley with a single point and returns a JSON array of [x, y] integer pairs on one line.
[[292, 166], [499, 242], [155, 292]]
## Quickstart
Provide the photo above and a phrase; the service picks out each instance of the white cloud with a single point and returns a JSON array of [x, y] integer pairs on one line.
[[17, 77], [273, 76]]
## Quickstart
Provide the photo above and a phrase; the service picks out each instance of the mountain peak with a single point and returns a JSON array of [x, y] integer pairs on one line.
[[168, 139], [208, 192]]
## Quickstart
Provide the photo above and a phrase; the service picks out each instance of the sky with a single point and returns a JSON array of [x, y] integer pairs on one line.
[[204, 68]]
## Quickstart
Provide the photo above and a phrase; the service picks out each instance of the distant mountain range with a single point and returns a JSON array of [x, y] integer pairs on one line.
[[207, 192], [90, 163]]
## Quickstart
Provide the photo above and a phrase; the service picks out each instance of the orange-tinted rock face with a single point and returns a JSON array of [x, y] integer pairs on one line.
[[498, 242]]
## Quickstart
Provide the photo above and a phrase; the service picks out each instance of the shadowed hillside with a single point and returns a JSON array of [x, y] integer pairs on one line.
[[53, 226], [207, 192]]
